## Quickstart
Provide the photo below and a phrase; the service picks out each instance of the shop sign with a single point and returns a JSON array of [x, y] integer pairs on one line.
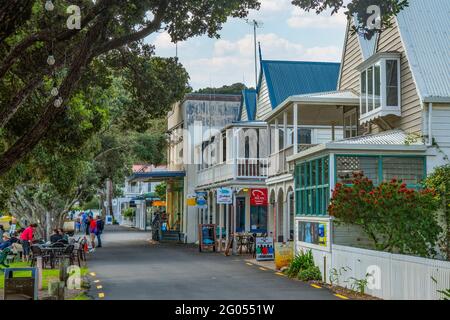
[[264, 249], [191, 200], [158, 203], [258, 197], [284, 253], [201, 200], [224, 196]]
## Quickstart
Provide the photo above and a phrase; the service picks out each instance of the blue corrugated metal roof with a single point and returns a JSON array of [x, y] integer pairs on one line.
[[288, 78], [425, 30], [249, 101]]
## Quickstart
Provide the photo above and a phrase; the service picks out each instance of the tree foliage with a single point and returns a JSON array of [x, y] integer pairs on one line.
[[235, 88], [358, 9], [439, 180], [110, 37], [396, 218]]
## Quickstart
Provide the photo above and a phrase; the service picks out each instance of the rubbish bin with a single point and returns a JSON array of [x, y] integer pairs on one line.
[[20, 287]]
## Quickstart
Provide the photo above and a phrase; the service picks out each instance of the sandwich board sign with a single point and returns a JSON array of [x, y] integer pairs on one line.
[[264, 249]]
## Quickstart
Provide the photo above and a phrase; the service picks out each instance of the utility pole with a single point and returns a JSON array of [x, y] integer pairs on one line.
[[255, 24]]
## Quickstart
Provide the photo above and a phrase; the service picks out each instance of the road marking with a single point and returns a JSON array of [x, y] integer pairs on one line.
[[280, 274], [316, 286], [101, 295], [96, 281], [99, 287], [92, 274], [263, 269], [341, 296], [249, 264]]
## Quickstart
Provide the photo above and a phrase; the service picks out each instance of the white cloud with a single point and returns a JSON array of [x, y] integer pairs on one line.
[[275, 5], [302, 19], [233, 61]]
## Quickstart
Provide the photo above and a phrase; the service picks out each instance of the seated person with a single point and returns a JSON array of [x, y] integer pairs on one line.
[[64, 236], [55, 237], [6, 241]]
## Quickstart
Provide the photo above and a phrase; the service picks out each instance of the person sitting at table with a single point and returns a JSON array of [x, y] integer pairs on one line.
[[56, 236], [7, 242], [64, 236]]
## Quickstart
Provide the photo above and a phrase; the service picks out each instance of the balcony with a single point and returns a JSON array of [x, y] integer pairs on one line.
[[234, 169], [278, 164]]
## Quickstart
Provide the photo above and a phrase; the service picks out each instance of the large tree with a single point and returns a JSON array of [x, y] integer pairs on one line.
[[108, 28]]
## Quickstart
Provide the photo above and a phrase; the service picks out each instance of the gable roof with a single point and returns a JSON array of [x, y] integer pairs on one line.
[[288, 78], [425, 31], [249, 102]]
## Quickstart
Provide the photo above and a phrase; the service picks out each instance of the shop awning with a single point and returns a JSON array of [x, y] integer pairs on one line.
[[157, 176]]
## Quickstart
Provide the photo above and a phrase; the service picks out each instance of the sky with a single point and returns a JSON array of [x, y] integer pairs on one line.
[[287, 33]]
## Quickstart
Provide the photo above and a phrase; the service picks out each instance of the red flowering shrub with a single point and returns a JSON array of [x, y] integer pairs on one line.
[[396, 218]]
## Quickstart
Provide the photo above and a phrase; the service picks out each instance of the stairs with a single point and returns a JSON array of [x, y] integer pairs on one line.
[[170, 236]]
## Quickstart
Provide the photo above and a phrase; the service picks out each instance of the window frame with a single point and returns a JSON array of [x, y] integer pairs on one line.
[[372, 100]]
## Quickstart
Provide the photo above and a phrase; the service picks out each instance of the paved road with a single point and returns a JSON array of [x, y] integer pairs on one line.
[[129, 267]]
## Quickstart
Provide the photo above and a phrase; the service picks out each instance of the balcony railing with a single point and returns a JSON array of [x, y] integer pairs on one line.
[[241, 168], [278, 163]]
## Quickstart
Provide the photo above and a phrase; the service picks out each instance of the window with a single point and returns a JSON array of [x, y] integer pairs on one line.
[[380, 86], [350, 124], [409, 169], [312, 187], [304, 136], [392, 82], [224, 147], [258, 219], [281, 138]]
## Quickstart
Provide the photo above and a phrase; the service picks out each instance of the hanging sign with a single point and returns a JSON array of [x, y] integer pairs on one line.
[[264, 249], [258, 197], [224, 196], [201, 199], [191, 200]]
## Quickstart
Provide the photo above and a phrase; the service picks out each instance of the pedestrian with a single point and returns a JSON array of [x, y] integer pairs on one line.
[[100, 227], [86, 224], [93, 231], [12, 226], [77, 225], [27, 239], [55, 237]]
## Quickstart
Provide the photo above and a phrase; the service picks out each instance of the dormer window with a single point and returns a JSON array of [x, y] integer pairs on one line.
[[380, 86]]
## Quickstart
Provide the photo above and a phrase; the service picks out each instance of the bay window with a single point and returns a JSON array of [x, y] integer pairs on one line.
[[380, 86]]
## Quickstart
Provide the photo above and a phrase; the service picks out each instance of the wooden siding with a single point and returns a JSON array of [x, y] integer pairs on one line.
[[349, 79], [244, 116], [264, 105], [411, 120], [441, 125]]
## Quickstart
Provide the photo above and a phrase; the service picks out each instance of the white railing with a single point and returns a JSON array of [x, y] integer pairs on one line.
[[234, 169], [278, 163], [252, 168]]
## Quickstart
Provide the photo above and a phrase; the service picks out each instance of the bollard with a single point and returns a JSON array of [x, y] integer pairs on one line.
[[39, 266]]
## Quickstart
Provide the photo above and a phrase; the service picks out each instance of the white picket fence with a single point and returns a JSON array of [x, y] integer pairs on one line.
[[401, 277]]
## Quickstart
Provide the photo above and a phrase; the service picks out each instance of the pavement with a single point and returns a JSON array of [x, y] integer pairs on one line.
[[130, 267]]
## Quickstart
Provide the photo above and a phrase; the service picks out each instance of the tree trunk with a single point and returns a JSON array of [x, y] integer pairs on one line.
[[109, 193]]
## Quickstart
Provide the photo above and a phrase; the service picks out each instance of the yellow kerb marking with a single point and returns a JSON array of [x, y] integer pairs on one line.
[[280, 274], [316, 286], [101, 295], [99, 287], [249, 264], [341, 296], [96, 281], [92, 274], [263, 269]]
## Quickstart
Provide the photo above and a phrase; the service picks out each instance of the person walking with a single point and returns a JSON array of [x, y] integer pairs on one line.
[[100, 227], [27, 239], [86, 223], [93, 231]]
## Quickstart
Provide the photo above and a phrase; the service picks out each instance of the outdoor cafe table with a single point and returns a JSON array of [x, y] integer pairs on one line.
[[52, 251]]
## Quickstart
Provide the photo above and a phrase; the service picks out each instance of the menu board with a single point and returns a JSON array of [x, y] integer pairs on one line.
[[207, 237], [264, 249]]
